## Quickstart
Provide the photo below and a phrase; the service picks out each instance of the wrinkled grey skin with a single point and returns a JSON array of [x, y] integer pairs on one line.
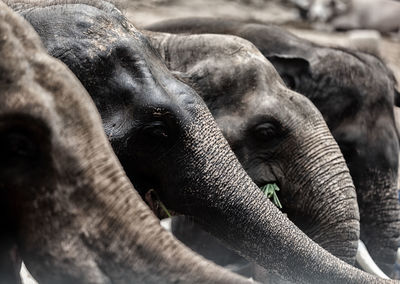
[[71, 212], [355, 93], [268, 126], [196, 173]]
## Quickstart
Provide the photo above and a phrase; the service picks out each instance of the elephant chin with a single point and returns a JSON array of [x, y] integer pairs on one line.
[[365, 261]]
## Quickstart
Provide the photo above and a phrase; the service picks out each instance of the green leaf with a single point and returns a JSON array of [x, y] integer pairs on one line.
[[165, 209], [270, 191]]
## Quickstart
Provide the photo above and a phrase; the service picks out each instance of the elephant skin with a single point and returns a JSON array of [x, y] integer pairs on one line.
[[355, 92], [167, 139], [242, 90], [249, 103], [72, 214]]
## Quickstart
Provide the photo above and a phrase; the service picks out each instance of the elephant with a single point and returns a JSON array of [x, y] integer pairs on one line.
[[209, 71], [355, 92], [256, 104], [68, 209], [170, 146]]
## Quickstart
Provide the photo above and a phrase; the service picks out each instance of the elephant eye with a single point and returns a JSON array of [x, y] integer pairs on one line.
[[266, 131], [25, 147], [157, 129], [18, 144], [19, 151]]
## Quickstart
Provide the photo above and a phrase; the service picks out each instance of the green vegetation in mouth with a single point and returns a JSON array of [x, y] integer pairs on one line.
[[166, 210], [270, 191], [163, 207]]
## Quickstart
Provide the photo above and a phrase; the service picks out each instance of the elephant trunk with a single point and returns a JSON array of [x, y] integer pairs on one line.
[[128, 223], [120, 240], [322, 199], [222, 197]]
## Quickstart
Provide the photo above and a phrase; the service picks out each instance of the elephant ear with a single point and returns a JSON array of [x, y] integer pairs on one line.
[[291, 69]]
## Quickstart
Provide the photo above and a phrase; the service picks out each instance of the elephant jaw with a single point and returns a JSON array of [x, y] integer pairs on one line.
[[365, 261]]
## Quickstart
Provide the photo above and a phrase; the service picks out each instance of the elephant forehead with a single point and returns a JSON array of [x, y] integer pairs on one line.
[[79, 18], [281, 103], [32, 83], [262, 102], [231, 124], [82, 28], [248, 112]]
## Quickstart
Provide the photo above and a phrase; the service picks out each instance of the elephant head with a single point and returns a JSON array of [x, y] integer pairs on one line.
[[167, 140], [69, 210], [278, 135], [361, 93], [355, 92]]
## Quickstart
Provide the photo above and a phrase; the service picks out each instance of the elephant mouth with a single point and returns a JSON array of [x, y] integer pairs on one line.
[[271, 189], [148, 189], [152, 199]]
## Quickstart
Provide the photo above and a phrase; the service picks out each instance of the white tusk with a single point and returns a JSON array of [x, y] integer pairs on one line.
[[365, 261], [398, 255], [166, 224], [26, 277]]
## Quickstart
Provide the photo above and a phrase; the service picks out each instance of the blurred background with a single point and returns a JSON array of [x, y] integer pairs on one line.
[[367, 25]]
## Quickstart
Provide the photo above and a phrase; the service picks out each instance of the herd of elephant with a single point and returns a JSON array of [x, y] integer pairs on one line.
[[192, 117]]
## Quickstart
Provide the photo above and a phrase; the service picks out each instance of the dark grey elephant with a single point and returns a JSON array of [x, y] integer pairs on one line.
[[278, 135], [355, 93], [67, 207], [167, 140]]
